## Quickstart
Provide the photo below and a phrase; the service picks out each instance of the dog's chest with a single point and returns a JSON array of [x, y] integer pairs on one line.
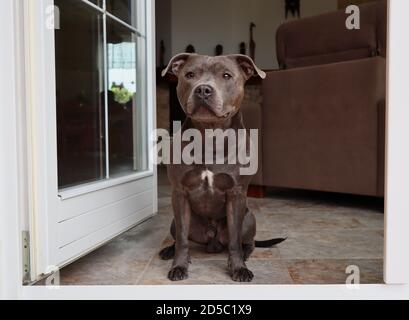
[[206, 189], [203, 180]]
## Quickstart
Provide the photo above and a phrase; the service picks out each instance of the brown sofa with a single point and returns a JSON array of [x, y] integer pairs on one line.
[[323, 113]]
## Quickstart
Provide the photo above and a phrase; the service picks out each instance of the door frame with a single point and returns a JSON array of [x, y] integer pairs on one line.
[[396, 254], [396, 215], [41, 115], [13, 198]]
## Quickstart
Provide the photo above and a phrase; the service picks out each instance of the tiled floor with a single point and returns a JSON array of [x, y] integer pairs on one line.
[[326, 233]]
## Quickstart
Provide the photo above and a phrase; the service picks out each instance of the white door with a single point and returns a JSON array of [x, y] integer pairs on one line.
[[90, 67]]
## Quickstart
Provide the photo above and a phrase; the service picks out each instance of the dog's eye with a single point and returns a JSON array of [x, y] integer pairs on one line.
[[190, 75], [227, 76]]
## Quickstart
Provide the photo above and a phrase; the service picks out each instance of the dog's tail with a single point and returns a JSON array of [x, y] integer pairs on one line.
[[269, 243]]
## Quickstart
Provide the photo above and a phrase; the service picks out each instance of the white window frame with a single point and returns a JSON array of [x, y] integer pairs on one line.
[[397, 206]]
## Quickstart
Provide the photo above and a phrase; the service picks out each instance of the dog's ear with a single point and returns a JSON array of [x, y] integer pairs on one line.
[[248, 66], [176, 64]]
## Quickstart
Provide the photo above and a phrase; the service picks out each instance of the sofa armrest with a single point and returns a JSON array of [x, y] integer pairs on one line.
[[321, 127], [325, 39]]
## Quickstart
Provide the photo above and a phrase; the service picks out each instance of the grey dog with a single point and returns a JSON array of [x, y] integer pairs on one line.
[[210, 201]]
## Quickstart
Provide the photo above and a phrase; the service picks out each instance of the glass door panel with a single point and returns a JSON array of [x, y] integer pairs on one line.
[[122, 99], [99, 3], [80, 94], [123, 9], [100, 101]]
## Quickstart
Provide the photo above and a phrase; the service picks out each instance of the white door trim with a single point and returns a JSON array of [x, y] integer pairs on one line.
[[396, 267], [151, 89], [12, 159], [41, 115]]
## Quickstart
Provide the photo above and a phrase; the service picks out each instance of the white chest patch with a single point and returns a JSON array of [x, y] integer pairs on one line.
[[209, 176]]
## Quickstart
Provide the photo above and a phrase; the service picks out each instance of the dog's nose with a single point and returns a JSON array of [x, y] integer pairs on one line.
[[204, 91]]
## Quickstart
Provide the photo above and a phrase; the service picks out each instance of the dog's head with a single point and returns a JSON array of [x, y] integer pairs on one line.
[[211, 89]]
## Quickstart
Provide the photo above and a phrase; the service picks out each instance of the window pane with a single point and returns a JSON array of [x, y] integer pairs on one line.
[[99, 3], [123, 9], [123, 103], [80, 94]]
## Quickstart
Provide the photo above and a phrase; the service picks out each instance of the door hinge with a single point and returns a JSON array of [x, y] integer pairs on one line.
[[26, 257]]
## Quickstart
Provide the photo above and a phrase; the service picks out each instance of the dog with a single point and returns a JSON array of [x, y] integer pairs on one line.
[[210, 201]]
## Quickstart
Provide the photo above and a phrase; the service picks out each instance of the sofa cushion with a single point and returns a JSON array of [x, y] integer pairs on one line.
[[323, 127], [325, 39]]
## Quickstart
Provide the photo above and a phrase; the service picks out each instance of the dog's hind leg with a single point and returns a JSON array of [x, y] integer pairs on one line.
[[168, 253]]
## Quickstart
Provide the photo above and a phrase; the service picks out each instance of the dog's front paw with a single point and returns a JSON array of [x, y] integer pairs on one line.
[[242, 275], [178, 274]]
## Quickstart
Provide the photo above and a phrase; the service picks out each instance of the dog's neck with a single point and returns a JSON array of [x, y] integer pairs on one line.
[[232, 123]]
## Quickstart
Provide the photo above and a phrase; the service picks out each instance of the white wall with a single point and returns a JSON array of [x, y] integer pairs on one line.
[[204, 24]]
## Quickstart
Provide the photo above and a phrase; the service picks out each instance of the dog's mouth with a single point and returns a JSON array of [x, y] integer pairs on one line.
[[204, 112], [207, 110]]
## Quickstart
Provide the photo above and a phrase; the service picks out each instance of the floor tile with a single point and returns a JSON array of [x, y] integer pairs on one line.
[[215, 272], [334, 271], [283, 222], [333, 244]]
